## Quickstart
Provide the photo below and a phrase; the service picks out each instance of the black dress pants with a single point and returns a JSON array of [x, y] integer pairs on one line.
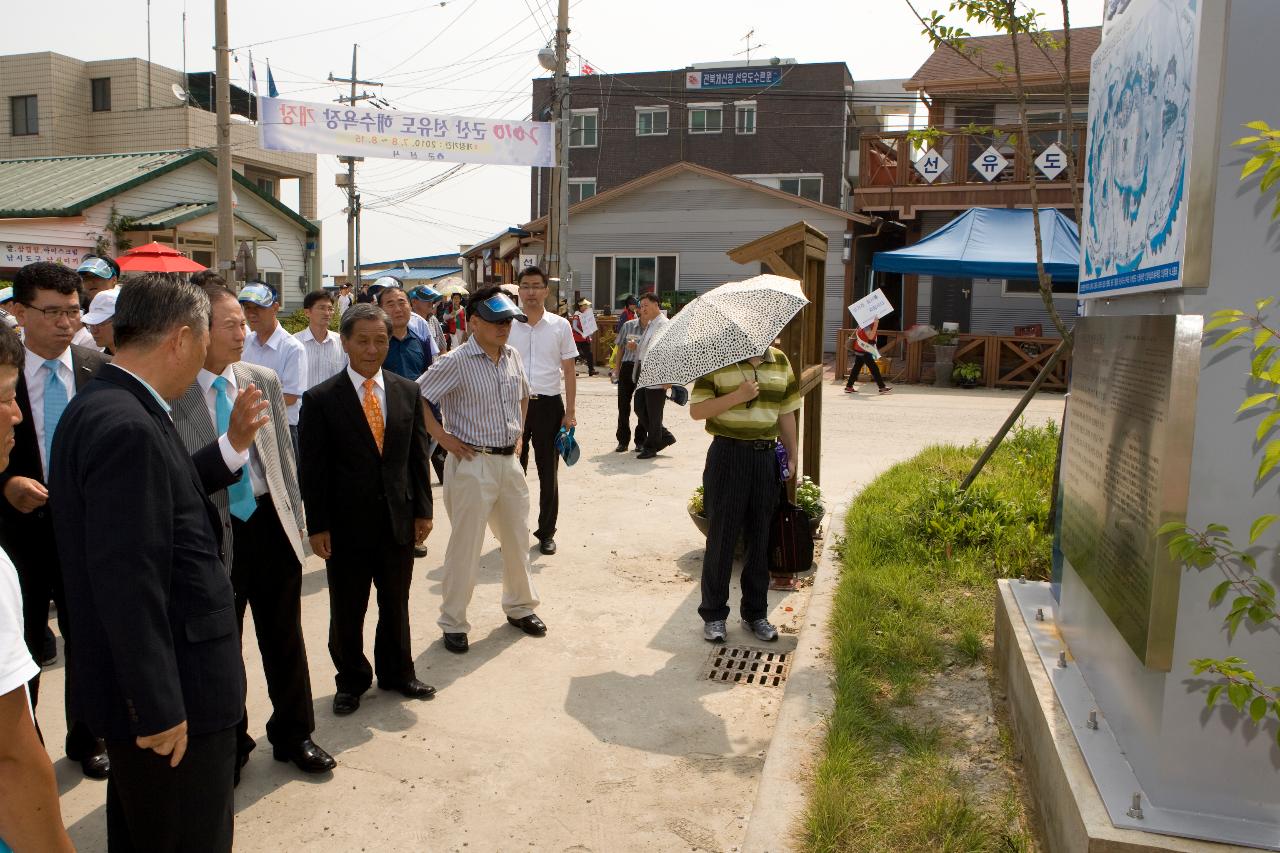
[[155, 808], [361, 558], [741, 487], [859, 359], [266, 576], [626, 399], [588, 356], [649, 405], [541, 423]]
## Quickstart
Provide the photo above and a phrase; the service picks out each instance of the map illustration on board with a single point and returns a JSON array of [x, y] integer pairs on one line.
[[1136, 162]]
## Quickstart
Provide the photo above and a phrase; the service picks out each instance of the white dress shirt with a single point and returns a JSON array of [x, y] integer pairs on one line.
[[649, 335], [84, 338], [542, 347], [379, 390], [36, 376], [235, 461], [286, 355], [324, 358]]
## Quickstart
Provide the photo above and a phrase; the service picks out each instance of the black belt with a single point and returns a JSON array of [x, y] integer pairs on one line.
[[509, 450], [543, 396], [749, 443]]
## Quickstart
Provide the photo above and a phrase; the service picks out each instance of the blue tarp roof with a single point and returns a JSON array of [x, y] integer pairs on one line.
[[414, 273], [990, 242]]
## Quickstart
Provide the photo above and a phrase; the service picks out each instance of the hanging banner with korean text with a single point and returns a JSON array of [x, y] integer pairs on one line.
[[356, 132]]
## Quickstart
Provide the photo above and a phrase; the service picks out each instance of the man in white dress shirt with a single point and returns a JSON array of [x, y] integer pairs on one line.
[[547, 350], [324, 350], [269, 345]]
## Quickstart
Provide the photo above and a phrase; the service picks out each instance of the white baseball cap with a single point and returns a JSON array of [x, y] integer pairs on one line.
[[102, 308]]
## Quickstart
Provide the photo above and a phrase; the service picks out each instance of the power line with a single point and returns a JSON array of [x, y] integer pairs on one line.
[[347, 26], [433, 39]]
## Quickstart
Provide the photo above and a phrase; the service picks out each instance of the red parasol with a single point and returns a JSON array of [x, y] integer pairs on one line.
[[156, 257]]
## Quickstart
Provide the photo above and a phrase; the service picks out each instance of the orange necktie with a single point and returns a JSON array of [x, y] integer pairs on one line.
[[373, 414]]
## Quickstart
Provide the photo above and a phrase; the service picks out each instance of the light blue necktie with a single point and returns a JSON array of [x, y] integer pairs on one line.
[[241, 491], [55, 403]]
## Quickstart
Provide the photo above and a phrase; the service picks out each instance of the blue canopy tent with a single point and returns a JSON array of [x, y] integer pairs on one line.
[[987, 242]]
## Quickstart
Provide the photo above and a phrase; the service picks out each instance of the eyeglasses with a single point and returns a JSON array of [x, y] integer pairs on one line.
[[56, 313], [533, 287]]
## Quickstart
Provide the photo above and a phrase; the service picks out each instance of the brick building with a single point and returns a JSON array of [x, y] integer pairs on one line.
[[788, 126]]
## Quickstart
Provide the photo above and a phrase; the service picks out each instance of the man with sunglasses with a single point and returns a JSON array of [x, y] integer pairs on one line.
[[483, 394], [47, 304], [749, 407]]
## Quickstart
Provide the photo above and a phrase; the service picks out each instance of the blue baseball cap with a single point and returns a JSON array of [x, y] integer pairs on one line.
[[97, 266], [425, 293], [567, 446], [499, 307], [6, 295], [257, 293]]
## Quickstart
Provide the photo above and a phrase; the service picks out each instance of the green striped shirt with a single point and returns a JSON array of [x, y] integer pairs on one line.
[[779, 394]]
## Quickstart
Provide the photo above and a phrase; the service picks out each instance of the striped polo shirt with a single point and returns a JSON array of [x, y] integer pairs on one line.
[[480, 400], [758, 419]]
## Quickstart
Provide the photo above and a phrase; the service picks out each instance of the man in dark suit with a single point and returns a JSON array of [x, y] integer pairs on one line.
[[364, 484], [47, 303], [263, 531], [157, 668]]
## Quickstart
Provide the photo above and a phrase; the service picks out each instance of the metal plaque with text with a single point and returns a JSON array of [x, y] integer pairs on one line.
[[1126, 468]]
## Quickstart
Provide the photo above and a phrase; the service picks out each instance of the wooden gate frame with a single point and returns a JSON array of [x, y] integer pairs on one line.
[[799, 251]]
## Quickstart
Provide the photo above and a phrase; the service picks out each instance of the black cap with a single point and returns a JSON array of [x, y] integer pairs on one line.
[[499, 307]]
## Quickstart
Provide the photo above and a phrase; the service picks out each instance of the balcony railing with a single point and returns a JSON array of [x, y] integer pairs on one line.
[[1007, 361], [888, 159]]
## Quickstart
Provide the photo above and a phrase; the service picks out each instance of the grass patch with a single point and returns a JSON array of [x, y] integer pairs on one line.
[[917, 590]]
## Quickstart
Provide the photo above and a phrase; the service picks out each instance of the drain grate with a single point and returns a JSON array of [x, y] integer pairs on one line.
[[747, 665]]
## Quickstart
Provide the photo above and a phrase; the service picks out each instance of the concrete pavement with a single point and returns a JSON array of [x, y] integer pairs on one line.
[[600, 736]]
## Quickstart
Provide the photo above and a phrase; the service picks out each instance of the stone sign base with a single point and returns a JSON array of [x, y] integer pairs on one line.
[[1073, 817]]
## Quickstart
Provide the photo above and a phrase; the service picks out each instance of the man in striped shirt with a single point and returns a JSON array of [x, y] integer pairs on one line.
[[481, 389], [748, 407], [324, 350]]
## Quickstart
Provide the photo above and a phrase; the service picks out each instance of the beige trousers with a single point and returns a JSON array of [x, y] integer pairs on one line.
[[485, 489]]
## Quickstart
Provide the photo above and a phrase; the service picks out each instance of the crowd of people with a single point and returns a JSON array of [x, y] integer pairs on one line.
[[170, 455]]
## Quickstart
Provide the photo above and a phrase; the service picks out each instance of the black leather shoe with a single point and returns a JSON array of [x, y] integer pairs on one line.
[[646, 454], [345, 703], [411, 689], [667, 441], [419, 550], [94, 763], [547, 546], [621, 448], [308, 757], [531, 625], [456, 643]]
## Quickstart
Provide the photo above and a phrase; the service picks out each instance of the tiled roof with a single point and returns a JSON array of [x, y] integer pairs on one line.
[[945, 67]]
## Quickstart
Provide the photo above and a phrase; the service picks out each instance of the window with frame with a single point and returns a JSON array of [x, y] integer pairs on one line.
[[810, 188], [619, 275], [24, 115], [652, 121], [705, 118], [580, 188], [745, 118], [1031, 287], [100, 94], [268, 186], [584, 129]]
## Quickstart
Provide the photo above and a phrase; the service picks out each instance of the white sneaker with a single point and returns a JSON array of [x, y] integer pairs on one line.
[[715, 631], [762, 629]]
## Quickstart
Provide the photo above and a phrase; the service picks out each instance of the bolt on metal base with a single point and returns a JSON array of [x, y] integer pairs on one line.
[[1135, 810], [1039, 614], [1062, 660], [1093, 720]]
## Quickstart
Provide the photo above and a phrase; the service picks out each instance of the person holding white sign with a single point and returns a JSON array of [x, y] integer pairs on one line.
[[862, 345], [584, 326]]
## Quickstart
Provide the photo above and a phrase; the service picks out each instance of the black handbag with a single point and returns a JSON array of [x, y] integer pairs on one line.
[[790, 542]]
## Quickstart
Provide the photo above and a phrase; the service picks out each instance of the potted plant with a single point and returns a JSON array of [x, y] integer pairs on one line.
[[809, 499], [696, 512], [944, 353], [967, 374]]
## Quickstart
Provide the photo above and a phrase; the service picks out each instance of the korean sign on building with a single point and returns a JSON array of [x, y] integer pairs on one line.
[[21, 254], [354, 132], [729, 78]]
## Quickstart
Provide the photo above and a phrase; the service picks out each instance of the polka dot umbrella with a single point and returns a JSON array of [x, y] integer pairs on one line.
[[731, 323]]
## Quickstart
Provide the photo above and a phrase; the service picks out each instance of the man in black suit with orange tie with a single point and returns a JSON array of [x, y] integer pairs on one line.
[[364, 474], [47, 303], [157, 669]]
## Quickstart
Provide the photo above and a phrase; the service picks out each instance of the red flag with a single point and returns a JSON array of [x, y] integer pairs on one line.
[[586, 68]]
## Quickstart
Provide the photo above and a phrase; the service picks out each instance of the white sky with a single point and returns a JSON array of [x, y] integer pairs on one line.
[[480, 65]]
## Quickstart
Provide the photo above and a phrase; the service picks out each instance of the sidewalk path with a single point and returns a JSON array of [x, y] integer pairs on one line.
[[598, 737]]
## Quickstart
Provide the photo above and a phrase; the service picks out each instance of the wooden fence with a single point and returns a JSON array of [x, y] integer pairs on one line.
[[1007, 361]]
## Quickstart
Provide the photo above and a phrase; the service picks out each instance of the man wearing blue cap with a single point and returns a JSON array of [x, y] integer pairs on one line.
[[424, 299], [269, 345], [483, 394]]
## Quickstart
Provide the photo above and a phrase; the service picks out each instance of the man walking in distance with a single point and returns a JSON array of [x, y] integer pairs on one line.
[[47, 304], [625, 356], [368, 500], [482, 391], [262, 525], [157, 666], [424, 299], [546, 347], [581, 322], [748, 407], [269, 345], [650, 401], [325, 357], [30, 816]]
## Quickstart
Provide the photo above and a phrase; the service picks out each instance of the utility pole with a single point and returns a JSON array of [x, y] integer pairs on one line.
[[226, 222], [353, 197], [558, 189]]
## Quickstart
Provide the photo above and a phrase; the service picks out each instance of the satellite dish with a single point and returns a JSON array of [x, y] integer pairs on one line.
[[179, 92]]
